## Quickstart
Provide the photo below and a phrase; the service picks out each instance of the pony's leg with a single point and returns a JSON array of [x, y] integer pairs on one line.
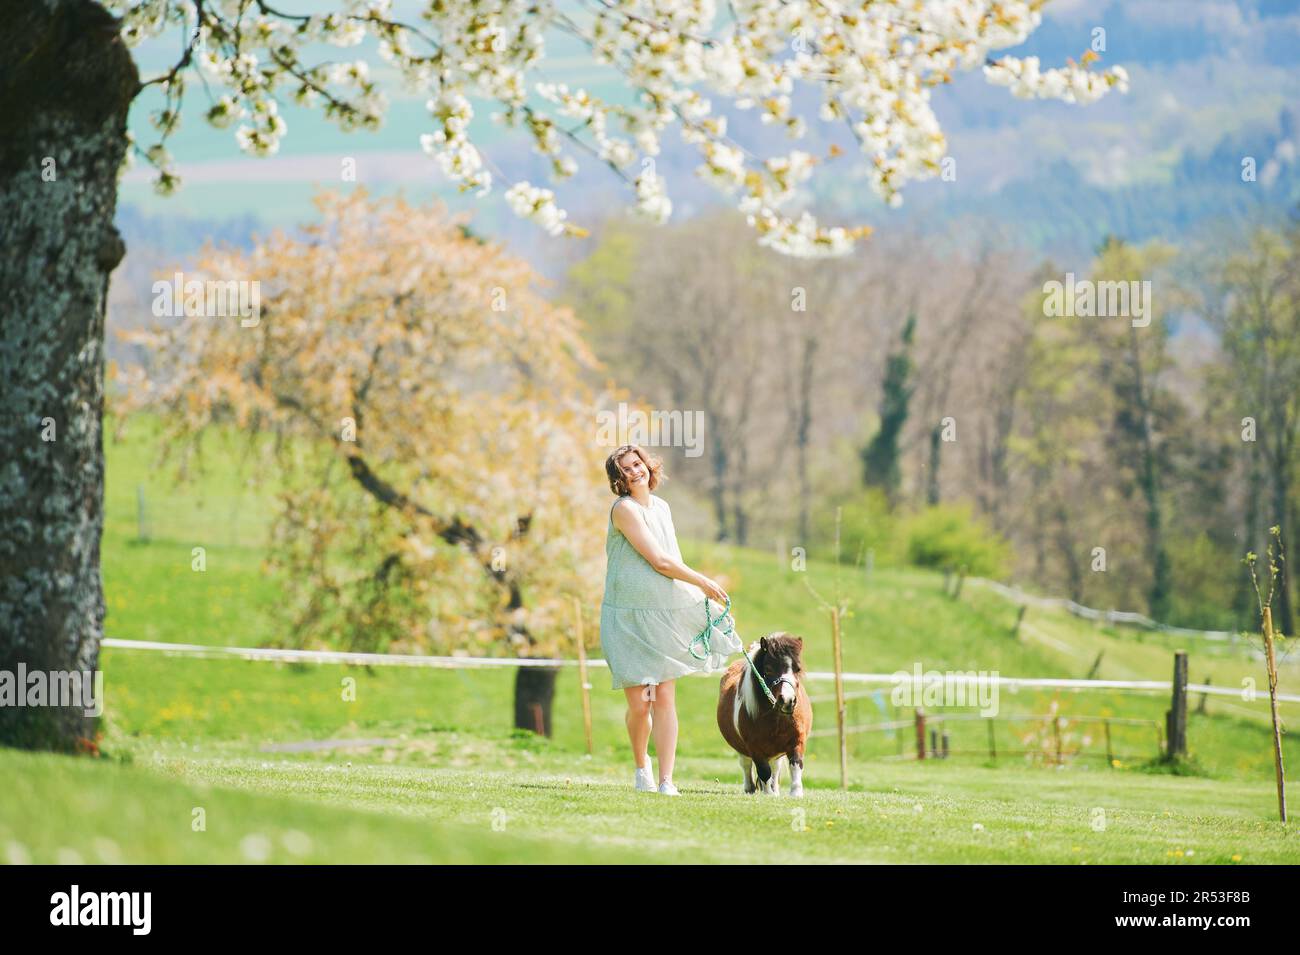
[[778, 766], [766, 778], [796, 774], [747, 772]]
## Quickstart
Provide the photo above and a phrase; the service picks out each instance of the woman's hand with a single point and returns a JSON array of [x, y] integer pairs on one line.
[[712, 590]]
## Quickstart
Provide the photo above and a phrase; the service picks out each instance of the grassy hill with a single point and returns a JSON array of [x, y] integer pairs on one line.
[[424, 765]]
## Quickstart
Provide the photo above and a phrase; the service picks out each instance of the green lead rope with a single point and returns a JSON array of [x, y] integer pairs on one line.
[[705, 639]]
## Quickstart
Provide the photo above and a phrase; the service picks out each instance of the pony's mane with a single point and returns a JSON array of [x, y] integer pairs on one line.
[[783, 644]]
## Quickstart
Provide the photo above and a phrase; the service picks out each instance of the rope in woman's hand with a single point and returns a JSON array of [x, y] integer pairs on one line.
[[705, 639], [705, 636]]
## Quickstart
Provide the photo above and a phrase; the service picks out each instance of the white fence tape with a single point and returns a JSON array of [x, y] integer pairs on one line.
[[340, 656], [467, 663], [1108, 616]]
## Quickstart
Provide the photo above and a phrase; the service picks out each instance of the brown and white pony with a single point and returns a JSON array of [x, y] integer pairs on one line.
[[762, 733]]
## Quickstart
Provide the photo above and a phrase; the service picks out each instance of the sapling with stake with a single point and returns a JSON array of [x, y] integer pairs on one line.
[[1275, 578]]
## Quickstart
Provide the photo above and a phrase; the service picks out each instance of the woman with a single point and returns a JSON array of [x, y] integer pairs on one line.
[[654, 607]]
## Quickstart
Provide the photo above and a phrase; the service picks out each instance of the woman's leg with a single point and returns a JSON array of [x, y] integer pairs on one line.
[[665, 727], [638, 723]]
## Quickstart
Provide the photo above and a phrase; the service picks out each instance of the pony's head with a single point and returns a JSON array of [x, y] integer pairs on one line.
[[779, 660]]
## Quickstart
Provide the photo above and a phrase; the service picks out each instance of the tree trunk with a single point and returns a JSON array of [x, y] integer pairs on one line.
[[718, 489], [1159, 596], [998, 477], [1069, 552], [1252, 538], [534, 692], [932, 479], [803, 434], [1281, 494], [740, 477], [66, 83]]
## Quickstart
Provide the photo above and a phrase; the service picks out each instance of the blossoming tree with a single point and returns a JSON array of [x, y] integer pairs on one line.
[[872, 64], [688, 66], [433, 437]]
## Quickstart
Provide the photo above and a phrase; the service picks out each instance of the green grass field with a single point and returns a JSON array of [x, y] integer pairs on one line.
[[423, 765], [501, 800]]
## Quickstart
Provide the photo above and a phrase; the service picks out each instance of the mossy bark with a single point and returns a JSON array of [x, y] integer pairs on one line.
[[66, 84]]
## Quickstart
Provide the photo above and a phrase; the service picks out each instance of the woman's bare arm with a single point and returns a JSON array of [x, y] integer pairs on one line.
[[628, 520]]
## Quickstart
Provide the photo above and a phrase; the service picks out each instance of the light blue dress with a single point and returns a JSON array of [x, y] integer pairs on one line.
[[647, 620]]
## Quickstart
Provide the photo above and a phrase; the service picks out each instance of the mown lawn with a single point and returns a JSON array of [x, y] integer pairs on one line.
[[66, 810], [366, 806]]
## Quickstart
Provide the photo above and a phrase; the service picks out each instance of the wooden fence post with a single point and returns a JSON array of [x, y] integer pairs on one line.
[[920, 733], [1176, 718], [839, 697], [993, 748], [898, 736], [1271, 659], [1205, 698], [1096, 666], [1110, 754], [141, 515], [1020, 618], [582, 673]]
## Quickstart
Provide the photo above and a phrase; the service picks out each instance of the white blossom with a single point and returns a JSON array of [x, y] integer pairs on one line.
[[529, 202], [685, 63], [225, 111], [652, 198]]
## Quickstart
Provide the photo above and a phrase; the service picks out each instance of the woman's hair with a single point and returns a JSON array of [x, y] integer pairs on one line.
[[616, 482]]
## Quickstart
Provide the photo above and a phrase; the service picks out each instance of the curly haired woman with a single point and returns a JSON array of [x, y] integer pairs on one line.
[[654, 607]]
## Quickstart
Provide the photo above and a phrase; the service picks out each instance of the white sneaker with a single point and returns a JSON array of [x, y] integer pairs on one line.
[[666, 788], [644, 779]]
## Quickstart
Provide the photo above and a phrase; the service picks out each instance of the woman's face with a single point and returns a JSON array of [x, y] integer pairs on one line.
[[634, 470]]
